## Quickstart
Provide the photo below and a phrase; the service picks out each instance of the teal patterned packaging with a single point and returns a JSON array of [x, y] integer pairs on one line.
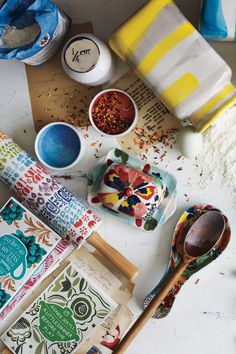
[[61, 318], [25, 242]]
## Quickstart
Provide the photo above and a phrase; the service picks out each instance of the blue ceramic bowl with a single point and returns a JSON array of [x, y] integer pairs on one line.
[[58, 146]]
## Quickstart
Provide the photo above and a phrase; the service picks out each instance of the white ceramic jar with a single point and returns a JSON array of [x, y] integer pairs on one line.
[[87, 59]]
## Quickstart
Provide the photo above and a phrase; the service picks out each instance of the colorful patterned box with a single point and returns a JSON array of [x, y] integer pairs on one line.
[[62, 250], [142, 195], [25, 242], [63, 316]]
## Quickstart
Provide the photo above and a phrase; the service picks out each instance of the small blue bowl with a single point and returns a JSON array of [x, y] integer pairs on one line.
[[58, 146]]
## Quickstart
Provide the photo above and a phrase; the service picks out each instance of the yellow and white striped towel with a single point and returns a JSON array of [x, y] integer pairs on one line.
[[176, 62]]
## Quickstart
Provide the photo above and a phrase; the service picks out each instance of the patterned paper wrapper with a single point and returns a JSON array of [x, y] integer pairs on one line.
[[25, 243], [61, 250], [62, 317], [42, 194]]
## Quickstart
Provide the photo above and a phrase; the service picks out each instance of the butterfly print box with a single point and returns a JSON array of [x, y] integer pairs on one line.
[[141, 194]]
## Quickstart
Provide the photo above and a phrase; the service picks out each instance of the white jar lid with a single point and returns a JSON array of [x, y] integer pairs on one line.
[[81, 54], [87, 59]]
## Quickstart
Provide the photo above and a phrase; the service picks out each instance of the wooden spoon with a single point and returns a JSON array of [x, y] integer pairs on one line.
[[204, 234], [182, 227]]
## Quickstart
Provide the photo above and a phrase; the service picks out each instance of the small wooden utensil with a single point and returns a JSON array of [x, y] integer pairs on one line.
[[204, 234]]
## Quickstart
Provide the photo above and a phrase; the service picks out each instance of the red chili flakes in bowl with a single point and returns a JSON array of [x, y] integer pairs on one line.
[[113, 112]]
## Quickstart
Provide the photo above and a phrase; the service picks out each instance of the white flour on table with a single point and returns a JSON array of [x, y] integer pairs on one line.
[[218, 156]]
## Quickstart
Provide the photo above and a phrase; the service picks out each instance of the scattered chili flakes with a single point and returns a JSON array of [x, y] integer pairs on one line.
[[66, 177], [94, 143], [155, 138], [163, 155], [187, 198]]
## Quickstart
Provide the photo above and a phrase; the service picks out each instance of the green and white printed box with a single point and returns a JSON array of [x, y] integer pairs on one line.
[[61, 318]]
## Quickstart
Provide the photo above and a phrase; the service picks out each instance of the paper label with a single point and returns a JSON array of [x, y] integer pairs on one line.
[[12, 257], [56, 323], [82, 55]]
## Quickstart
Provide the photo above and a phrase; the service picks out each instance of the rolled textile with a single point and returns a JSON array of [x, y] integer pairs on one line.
[[43, 195]]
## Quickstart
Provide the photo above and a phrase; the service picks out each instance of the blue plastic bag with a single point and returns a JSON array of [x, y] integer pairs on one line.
[[37, 27], [218, 20]]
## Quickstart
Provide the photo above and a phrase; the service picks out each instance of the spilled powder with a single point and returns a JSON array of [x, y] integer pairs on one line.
[[218, 157]]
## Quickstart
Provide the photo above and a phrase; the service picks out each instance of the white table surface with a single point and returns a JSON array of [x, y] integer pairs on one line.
[[203, 319]]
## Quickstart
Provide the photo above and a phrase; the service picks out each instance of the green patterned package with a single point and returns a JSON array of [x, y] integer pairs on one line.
[[25, 243], [61, 318]]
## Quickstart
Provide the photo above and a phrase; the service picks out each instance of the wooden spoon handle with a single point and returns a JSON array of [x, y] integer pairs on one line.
[[150, 309], [115, 257]]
